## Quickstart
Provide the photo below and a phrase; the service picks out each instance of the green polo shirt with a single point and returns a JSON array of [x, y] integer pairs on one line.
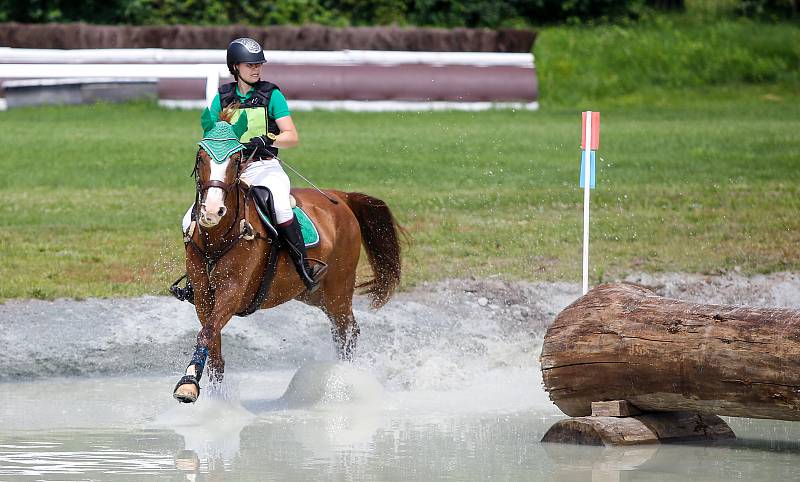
[[256, 123]]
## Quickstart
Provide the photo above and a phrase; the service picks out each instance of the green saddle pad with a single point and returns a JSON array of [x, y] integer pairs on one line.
[[307, 227], [310, 233]]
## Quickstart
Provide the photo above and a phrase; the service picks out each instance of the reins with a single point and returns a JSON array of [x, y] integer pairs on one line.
[[246, 232], [245, 229]]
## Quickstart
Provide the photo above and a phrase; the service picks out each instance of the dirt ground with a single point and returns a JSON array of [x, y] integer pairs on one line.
[[539, 303]]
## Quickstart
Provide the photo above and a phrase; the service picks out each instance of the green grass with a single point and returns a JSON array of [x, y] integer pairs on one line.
[[698, 180], [580, 64]]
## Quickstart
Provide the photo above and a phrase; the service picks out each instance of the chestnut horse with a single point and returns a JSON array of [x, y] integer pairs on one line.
[[228, 254]]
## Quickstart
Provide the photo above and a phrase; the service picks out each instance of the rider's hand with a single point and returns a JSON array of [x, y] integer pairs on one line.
[[259, 145], [256, 144]]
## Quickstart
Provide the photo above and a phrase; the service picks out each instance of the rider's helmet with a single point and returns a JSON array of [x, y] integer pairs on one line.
[[244, 50]]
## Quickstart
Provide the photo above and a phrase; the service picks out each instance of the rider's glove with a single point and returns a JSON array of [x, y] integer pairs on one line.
[[260, 145]]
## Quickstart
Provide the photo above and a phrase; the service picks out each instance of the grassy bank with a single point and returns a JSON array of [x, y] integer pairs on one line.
[[580, 64], [689, 180]]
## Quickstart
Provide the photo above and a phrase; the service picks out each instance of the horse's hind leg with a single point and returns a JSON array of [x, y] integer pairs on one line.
[[344, 329]]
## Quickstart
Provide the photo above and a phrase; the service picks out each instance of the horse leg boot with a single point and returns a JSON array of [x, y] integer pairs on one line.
[[290, 231], [188, 387]]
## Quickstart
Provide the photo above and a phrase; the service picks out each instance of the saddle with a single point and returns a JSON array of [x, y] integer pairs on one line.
[[262, 198], [266, 212]]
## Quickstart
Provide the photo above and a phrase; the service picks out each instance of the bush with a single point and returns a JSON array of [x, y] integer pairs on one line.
[[438, 13], [769, 9]]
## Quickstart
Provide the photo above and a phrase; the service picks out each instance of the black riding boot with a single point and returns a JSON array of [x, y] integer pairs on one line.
[[297, 251], [183, 294]]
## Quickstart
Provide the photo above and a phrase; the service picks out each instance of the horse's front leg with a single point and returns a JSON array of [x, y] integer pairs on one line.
[[188, 388], [214, 309], [208, 349]]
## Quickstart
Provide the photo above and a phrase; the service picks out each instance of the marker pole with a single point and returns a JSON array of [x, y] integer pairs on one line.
[[586, 189]]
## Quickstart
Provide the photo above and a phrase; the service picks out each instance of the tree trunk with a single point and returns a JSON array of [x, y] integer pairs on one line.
[[623, 342]]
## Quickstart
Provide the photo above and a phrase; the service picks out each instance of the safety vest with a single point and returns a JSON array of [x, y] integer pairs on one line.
[[256, 107]]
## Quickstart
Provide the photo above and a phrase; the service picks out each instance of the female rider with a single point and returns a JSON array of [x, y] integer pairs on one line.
[[270, 127]]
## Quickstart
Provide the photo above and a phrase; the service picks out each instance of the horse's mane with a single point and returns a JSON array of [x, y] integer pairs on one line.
[[227, 113]]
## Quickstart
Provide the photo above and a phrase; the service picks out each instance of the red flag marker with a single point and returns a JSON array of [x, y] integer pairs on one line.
[[595, 144]]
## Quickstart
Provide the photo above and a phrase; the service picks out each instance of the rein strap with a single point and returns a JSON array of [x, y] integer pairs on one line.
[[220, 184]]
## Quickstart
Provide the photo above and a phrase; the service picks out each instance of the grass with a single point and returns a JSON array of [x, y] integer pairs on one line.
[[699, 180], [581, 63]]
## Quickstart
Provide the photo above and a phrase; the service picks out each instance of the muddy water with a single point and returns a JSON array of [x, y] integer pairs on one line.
[[446, 386]]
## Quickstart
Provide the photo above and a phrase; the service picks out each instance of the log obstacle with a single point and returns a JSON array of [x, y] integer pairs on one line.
[[624, 343]]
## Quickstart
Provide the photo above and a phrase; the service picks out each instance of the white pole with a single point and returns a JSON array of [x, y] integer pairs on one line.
[[212, 85], [586, 187]]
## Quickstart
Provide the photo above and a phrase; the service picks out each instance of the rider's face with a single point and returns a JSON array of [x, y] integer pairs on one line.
[[249, 72]]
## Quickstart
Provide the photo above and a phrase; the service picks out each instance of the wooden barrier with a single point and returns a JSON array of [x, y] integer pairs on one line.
[[623, 342]]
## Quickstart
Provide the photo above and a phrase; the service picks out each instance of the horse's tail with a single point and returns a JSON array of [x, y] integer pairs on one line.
[[380, 234]]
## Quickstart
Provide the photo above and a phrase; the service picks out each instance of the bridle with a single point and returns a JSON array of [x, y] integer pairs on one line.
[[245, 229], [246, 232], [203, 187]]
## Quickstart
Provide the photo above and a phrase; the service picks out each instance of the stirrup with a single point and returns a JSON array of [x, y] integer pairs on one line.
[[314, 275], [182, 294]]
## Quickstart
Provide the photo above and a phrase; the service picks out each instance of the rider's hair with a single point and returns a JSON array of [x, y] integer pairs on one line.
[[227, 113]]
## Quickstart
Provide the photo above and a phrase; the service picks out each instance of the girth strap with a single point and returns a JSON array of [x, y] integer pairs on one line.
[[266, 279]]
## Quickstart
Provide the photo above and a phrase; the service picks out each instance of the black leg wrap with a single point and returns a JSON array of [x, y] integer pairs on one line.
[[199, 361]]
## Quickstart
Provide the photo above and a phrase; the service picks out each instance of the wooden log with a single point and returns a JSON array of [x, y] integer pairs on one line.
[[623, 342], [614, 408], [600, 431], [649, 428]]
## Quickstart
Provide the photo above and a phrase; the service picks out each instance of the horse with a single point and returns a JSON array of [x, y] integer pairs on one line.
[[236, 266]]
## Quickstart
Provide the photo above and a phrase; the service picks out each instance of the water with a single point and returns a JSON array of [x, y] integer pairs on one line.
[[446, 386], [128, 429]]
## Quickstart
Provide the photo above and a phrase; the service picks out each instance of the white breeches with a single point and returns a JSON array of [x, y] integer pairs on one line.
[[269, 174]]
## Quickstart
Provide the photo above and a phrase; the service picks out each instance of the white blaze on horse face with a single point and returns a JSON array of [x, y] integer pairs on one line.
[[215, 197]]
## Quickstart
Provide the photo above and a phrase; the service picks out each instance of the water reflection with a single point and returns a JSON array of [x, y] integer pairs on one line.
[[87, 454], [211, 429], [742, 459], [324, 445]]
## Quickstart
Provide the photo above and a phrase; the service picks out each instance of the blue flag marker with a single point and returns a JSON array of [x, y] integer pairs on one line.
[[591, 173]]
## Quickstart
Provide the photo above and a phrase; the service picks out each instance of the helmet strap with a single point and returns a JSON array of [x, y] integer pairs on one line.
[[238, 77]]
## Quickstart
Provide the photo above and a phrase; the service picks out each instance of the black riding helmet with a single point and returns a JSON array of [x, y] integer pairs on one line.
[[244, 50]]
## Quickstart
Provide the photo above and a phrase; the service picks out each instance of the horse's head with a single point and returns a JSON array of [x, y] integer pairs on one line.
[[217, 165]]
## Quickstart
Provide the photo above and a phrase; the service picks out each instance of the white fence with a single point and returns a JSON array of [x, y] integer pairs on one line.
[[210, 65]]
